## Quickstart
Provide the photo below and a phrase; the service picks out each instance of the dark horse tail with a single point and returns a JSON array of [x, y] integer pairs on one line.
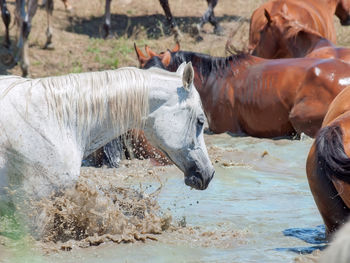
[[332, 160]]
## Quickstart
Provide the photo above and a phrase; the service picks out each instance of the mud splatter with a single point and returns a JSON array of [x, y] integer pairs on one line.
[[200, 237], [97, 211]]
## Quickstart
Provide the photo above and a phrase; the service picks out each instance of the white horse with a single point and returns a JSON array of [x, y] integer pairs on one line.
[[49, 125], [339, 249]]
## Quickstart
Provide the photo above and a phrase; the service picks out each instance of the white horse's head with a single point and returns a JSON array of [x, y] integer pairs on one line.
[[175, 125]]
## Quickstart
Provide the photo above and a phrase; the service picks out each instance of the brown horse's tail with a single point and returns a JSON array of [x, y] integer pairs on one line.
[[332, 160]]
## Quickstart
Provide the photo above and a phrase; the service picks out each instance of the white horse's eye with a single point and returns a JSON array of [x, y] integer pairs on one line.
[[200, 121]]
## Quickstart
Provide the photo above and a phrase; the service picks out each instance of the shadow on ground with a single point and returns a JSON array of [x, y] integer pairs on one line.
[[6, 57], [155, 26]]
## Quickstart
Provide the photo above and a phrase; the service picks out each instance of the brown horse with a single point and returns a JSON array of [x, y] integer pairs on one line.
[[131, 145], [284, 37], [316, 15], [263, 98], [328, 164]]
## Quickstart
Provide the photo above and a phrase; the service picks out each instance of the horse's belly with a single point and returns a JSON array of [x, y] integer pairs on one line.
[[267, 124]]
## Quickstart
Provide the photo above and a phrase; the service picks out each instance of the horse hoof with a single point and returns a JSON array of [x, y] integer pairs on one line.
[[49, 46], [25, 74], [177, 34], [198, 38], [177, 38], [69, 9], [195, 30], [105, 31], [219, 31]]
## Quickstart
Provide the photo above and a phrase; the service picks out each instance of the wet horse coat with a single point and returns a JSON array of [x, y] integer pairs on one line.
[[263, 98], [314, 14], [328, 164], [282, 36]]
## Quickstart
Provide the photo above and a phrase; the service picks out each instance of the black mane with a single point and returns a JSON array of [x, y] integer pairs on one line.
[[154, 62], [205, 63]]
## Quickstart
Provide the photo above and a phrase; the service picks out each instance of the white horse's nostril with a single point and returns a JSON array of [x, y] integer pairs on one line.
[[195, 182]]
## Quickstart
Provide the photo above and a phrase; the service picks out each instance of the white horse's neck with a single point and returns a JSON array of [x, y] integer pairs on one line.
[[100, 106]]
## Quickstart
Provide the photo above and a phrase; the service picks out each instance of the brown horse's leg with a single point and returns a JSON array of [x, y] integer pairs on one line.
[[67, 6], [107, 24], [49, 11], [171, 21], [331, 207], [6, 17], [306, 117], [210, 17], [96, 158]]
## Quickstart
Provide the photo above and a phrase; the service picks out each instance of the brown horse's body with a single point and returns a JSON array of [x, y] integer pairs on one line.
[[323, 48], [142, 149], [263, 98], [282, 36], [316, 15], [131, 145], [328, 164]]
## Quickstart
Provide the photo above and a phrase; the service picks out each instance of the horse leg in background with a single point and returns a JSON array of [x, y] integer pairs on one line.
[[67, 6], [210, 17], [6, 17], [171, 21], [25, 19], [49, 10], [114, 151], [107, 24]]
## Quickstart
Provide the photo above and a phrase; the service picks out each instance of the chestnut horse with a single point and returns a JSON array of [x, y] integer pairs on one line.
[[328, 164], [131, 145], [208, 16], [314, 14], [292, 39], [263, 98]]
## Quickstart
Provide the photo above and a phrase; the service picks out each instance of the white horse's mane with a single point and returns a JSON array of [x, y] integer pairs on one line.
[[121, 93]]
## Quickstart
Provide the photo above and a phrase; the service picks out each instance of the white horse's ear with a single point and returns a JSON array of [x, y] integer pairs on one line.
[[181, 68], [188, 76]]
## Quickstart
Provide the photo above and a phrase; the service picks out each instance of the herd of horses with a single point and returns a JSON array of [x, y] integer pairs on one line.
[[296, 80], [293, 80], [26, 9]]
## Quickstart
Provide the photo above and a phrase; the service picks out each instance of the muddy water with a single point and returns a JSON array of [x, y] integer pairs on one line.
[[259, 193]]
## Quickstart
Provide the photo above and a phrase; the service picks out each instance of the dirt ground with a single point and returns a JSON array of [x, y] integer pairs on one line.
[[79, 46]]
